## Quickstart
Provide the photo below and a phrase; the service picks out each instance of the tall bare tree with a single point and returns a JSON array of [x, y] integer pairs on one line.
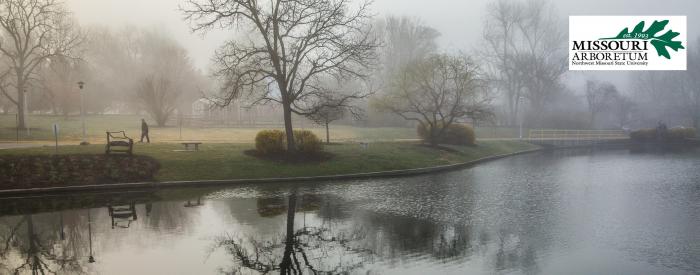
[[691, 94], [31, 32], [438, 91], [525, 50], [159, 96], [600, 97], [404, 40], [623, 109], [288, 47], [165, 73], [57, 81], [671, 96], [500, 39]]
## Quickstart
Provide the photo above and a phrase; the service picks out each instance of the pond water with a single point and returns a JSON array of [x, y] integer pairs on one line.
[[564, 212]]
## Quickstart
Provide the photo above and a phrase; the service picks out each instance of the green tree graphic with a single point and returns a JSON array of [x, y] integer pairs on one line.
[[659, 42]]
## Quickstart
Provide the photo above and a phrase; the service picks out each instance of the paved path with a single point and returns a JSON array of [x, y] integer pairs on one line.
[[4, 145]]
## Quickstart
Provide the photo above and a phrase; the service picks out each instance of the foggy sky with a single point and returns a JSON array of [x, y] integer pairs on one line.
[[459, 22]]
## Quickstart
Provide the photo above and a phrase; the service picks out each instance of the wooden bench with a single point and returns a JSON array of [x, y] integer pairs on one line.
[[117, 140], [187, 145]]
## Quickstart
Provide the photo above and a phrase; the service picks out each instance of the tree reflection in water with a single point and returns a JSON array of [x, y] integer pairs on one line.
[[31, 248], [308, 249]]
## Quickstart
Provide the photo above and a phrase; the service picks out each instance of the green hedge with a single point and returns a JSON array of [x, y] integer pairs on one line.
[[269, 142], [681, 133], [35, 171], [674, 134], [272, 142], [307, 142], [456, 134]]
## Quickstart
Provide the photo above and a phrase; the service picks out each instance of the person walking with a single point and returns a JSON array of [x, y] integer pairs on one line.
[[144, 131]]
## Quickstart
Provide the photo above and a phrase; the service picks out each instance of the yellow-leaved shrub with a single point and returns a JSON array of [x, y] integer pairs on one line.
[[271, 142]]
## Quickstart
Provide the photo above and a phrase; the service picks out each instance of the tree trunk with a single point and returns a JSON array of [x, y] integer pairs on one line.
[[433, 136], [328, 136], [20, 103], [291, 147]]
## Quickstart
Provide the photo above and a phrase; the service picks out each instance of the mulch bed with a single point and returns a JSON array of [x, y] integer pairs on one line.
[[292, 158], [20, 172]]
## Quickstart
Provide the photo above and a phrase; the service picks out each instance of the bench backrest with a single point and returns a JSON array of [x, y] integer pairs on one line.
[[116, 135]]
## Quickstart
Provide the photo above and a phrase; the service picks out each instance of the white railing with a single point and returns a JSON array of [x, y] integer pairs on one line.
[[539, 134]]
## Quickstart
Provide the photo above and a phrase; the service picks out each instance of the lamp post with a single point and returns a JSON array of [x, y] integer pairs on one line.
[[82, 112], [522, 117]]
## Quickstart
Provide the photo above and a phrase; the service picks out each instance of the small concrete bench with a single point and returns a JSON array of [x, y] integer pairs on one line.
[[187, 145], [364, 145]]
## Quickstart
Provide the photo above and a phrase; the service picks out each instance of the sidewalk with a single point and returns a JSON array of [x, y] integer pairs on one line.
[[11, 145]]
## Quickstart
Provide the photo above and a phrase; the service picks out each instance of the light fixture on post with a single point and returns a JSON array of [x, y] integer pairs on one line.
[[522, 115], [81, 85]]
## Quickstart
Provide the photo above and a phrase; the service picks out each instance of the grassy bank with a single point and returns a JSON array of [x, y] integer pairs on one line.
[[71, 130], [228, 161]]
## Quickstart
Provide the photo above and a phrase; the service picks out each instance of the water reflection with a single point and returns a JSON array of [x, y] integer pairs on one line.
[[581, 214], [122, 215], [31, 247], [304, 249]]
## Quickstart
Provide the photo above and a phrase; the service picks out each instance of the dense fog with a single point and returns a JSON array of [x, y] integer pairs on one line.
[[146, 57]]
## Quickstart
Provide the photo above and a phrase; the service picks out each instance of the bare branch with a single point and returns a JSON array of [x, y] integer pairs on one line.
[[294, 44]]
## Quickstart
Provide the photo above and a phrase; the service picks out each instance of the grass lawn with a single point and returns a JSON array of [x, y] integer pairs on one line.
[[228, 161], [71, 130]]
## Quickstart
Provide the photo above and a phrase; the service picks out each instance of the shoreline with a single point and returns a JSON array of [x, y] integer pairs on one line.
[[223, 182], [391, 173]]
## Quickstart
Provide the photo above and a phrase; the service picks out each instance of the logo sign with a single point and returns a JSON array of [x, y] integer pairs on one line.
[[622, 43]]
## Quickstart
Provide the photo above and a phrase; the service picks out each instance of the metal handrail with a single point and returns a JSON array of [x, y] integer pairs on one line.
[[577, 134]]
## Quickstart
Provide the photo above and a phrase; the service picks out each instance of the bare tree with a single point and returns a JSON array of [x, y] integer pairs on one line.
[[525, 53], [32, 31], [325, 115], [330, 111], [690, 96], [331, 107], [437, 92], [542, 59], [159, 97], [671, 96], [623, 109], [57, 80], [165, 73], [500, 39], [600, 97], [288, 47], [404, 40]]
